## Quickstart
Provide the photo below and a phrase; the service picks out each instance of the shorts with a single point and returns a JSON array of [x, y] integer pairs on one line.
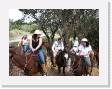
[[87, 61], [25, 48]]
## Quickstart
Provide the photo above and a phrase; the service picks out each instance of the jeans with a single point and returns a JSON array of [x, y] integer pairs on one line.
[[25, 48], [87, 61], [40, 56]]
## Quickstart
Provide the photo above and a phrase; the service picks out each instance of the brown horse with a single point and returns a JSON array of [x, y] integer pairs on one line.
[[49, 51], [79, 66], [27, 62]]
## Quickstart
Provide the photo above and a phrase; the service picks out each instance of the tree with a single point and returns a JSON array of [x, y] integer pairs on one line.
[[48, 21], [76, 22]]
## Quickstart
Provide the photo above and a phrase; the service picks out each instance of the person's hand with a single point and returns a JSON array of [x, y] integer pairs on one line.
[[33, 50], [18, 45]]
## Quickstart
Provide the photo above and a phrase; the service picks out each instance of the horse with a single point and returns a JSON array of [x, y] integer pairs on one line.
[[79, 67], [26, 62], [49, 51], [61, 60], [76, 64]]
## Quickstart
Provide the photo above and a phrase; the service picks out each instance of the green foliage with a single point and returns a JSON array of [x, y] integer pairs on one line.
[[29, 27], [68, 23], [19, 25], [15, 24]]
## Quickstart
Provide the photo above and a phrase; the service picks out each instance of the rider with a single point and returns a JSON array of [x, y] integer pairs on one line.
[[36, 47], [24, 42], [75, 45], [85, 50], [56, 47]]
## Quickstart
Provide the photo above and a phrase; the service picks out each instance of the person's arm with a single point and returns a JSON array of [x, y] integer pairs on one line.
[[62, 46], [53, 47], [20, 42], [79, 49], [90, 50], [40, 43], [31, 44]]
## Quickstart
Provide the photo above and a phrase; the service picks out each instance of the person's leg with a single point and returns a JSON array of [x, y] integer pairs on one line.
[[45, 56], [42, 60], [88, 62]]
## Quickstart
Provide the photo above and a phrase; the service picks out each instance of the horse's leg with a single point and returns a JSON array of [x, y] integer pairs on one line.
[[64, 70], [40, 69], [52, 59], [87, 70], [91, 67], [97, 59], [82, 69], [59, 69]]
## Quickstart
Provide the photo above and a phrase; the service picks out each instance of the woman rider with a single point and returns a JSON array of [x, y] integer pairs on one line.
[[36, 47], [24, 43], [85, 50]]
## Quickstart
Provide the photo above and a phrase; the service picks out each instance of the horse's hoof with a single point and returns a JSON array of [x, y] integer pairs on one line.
[[59, 73], [45, 75], [64, 74]]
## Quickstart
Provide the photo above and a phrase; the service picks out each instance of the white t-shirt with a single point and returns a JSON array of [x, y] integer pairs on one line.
[[80, 47], [57, 46], [24, 41], [85, 50]]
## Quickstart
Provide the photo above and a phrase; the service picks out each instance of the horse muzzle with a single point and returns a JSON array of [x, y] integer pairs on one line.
[[66, 55]]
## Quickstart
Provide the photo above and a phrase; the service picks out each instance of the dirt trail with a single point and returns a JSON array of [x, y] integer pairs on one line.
[[53, 71]]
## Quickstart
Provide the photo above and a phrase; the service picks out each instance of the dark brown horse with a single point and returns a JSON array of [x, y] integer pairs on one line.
[[61, 60], [27, 62]]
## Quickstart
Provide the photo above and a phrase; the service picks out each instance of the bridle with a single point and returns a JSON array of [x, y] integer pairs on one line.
[[27, 61]]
